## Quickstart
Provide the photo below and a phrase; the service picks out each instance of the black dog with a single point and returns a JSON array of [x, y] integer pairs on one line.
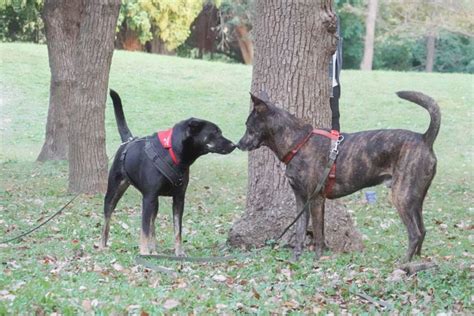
[[145, 163], [366, 159]]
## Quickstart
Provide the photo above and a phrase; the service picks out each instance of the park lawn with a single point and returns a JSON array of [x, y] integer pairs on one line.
[[58, 269]]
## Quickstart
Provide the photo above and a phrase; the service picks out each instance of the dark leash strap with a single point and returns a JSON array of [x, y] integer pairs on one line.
[[5, 241], [41, 224], [188, 259], [158, 155], [332, 158]]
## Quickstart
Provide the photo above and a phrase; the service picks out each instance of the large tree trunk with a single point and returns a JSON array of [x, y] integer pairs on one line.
[[62, 20], [430, 50], [294, 42], [245, 43], [369, 36], [87, 156]]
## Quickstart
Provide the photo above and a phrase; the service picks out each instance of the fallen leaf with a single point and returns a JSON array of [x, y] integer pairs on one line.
[[118, 267], [86, 304], [397, 275], [219, 278], [255, 293], [170, 303]]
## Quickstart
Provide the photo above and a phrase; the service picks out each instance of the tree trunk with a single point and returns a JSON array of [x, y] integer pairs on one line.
[[245, 43], [157, 46], [430, 50], [369, 36], [61, 20], [93, 56], [128, 39], [294, 42]]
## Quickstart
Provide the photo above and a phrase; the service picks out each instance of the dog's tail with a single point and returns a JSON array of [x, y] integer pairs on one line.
[[123, 129], [433, 109]]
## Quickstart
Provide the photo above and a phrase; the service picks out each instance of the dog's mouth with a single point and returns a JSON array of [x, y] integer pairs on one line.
[[248, 146]]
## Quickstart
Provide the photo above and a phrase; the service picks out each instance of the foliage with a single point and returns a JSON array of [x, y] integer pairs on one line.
[[168, 19], [21, 21], [58, 270], [400, 34], [351, 17]]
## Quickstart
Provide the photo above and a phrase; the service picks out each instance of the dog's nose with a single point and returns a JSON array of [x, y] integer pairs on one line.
[[232, 146]]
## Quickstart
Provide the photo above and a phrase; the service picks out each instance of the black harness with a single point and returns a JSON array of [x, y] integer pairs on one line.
[[158, 156]]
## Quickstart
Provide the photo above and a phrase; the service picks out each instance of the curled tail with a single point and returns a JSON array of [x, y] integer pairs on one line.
[[433, 109], [123, 129]]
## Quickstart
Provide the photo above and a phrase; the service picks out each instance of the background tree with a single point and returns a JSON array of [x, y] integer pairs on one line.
[[164, 24], [369, 39], [62, 21], [427, 20], [293, 44], [92, 59]]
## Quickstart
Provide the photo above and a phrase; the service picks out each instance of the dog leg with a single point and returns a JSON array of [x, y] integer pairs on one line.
[[409, 209], [178, 209], [152, 240], [149, 208], [317, 217], [301, 225], [115, 189]]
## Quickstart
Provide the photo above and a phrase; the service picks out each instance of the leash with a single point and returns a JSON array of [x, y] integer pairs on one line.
[[41, 224], [332, 158], [6, 241], [186, 259]]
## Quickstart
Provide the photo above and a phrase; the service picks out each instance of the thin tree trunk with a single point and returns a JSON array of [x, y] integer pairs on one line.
[[87, 156], [430, 51], [62, 20], [294, 42], [369, 36], [245, 43]]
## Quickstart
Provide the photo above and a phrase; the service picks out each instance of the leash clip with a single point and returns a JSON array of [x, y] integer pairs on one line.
[[335, 151]]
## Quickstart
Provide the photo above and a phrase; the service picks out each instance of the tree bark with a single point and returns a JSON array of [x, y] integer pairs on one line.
[[294, 42], [430, 51], [245, 43], [369, 36], [62, 20], [93, 56]]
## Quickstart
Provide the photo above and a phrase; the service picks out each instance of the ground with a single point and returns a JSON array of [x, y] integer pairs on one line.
[[58, 269]]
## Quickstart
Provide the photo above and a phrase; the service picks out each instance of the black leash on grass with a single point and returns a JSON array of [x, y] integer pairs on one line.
[[6, 241], [41, 224]]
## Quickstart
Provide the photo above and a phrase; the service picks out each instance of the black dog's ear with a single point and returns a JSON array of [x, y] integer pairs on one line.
[[258, 104], [195, 126]]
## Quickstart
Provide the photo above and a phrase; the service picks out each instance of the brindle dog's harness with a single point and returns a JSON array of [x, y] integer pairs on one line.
[[328, 174]]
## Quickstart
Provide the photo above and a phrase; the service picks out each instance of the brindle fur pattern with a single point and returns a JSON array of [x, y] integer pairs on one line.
[[401, 157]]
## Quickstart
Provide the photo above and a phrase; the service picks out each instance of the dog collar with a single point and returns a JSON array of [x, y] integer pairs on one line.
[[334, 135], [165, 138]]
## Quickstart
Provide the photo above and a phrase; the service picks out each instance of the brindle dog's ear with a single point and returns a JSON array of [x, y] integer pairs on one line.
[[195, 126], [258, 104]]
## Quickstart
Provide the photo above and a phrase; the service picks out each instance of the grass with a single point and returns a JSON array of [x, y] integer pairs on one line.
[[57, 269]]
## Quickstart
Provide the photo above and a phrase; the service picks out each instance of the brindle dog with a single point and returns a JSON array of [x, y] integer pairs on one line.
[[365, 159]]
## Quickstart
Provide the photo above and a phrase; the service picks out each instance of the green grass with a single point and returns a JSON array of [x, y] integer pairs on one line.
[[57, 269]]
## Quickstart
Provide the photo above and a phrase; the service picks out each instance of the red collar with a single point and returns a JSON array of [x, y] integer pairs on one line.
[[165, 138], [334, 135]]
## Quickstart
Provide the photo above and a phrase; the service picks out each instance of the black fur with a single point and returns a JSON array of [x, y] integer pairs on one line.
[[191, 139]]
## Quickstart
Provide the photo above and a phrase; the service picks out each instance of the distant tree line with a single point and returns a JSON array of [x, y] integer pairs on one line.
[[435, 35]]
